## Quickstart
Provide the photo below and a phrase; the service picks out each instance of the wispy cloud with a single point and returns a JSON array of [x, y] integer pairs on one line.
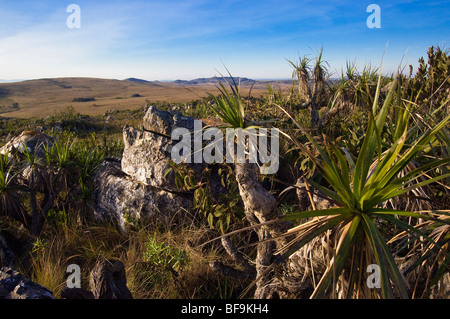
[[181, 37], [50, 47]]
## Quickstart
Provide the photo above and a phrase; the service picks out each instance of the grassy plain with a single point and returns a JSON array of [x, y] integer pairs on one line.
[[45, 97]]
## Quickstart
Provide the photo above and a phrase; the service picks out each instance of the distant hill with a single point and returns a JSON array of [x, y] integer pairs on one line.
[[138, 80], [216, 80], [44, 97]]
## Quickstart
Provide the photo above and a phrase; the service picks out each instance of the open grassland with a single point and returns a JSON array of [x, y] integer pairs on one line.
[[92, 96]]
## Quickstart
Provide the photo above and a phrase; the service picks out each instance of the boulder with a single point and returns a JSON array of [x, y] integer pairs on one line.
[[108, 280], [123, 200], [146, 157], [13, 285], [141, 185], [147, 152], [33, 140], [164, 122]]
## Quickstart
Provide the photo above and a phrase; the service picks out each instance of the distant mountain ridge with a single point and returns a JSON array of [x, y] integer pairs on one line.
[[48, 96], [215, 80], [199, 81], [138, 80]]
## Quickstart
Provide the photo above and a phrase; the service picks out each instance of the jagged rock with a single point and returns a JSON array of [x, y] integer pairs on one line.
[[14, 285], [146, 157], [123, 200], [141, 185], [108, 280], [164, 122], [147, 152], [34, 141]]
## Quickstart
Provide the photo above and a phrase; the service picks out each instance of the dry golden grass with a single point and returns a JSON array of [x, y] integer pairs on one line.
[[44, 97], [65, 242]]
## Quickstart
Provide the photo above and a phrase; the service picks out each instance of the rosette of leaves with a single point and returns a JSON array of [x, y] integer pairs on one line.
[[358, 189]]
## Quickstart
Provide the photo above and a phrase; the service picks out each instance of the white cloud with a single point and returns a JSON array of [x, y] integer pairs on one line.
[[51, 48], [162, 39]]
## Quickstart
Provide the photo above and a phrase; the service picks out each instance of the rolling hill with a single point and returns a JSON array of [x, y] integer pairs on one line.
[[44, 97]]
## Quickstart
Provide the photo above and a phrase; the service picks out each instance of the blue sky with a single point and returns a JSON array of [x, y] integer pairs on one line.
[[168, 40]]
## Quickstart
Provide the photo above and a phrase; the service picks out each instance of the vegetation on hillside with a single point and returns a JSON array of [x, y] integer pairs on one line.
[[375, 147]]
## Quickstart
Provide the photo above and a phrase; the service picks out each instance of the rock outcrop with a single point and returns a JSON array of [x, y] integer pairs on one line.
[[139, 186], [124, 201], [164, 122], [13, 285], [147, 152], [108, 280], [34, 141], [146, 157]]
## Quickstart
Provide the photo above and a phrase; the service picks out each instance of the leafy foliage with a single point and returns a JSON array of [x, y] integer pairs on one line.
[[164, 255], [380, 157], [219, 212], [229, 105], [430, 86], [359, 188]]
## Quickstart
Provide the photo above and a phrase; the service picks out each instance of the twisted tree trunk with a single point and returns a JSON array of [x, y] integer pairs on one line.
[[260, 207]]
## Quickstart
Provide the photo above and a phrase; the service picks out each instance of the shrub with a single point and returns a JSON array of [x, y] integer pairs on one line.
[[83, 99]]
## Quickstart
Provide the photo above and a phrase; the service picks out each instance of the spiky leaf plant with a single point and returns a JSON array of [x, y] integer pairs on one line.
[[359, 189], [312, 81], [259, 203], [230, 106], [302, 71], [431, 254]]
